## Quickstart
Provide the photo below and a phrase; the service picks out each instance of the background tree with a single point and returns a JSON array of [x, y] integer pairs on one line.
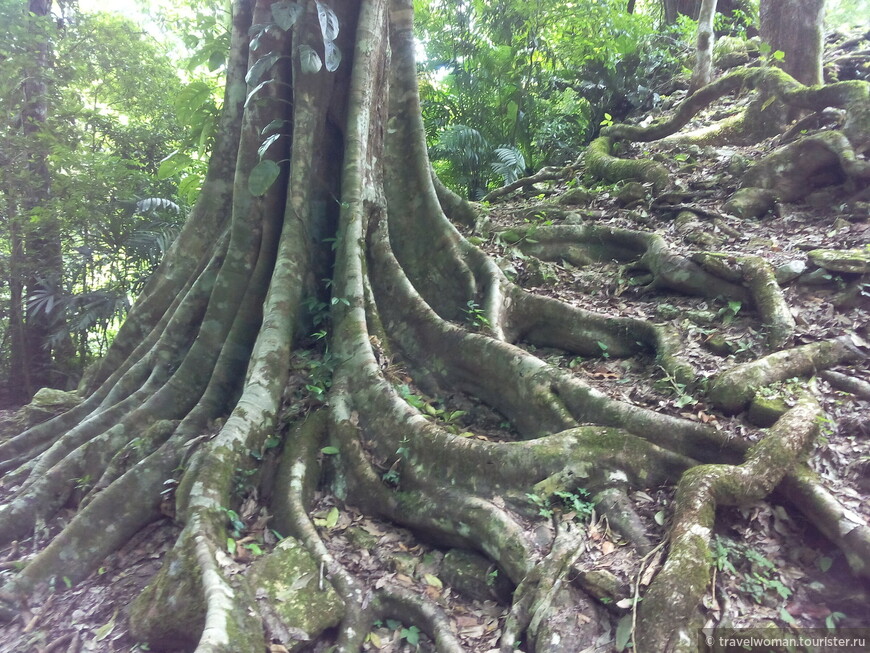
[[703, 71], [96, 144], [796, 28], [673, 9], [36, 264]]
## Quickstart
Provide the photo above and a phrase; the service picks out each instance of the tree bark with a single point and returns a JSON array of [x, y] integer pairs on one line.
[[796, 27], [45, 341], [702, 74]]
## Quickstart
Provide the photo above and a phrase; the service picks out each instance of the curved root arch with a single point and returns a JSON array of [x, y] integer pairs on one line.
[[404, 281]]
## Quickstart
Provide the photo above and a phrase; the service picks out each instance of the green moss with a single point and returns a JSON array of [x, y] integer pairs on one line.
[[609, 168], [170, 612], [855, 261], [288, 579], [765, 411]]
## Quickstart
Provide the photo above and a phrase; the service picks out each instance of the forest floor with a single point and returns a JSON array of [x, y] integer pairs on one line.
[[771, 566]]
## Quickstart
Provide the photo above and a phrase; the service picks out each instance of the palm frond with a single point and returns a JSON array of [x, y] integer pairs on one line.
[[509, 163]]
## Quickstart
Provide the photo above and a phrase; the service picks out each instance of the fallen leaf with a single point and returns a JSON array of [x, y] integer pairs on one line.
[[103, 631], [332, 517], [434, 581]]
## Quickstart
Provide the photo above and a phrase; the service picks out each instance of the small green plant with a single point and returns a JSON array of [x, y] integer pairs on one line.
[[728, 312], [577, 502], [241, 479], [403, 451], [236, 525], [543, 504], [411, 635], [320, 370], [563, 501], [827, 426], [475, 315], [391, 477], [318, 310], [770, 54], [683, 398], [431, 408], [270, 443], [254, 548], [756, 575], [607, 121], [603, 347], [491, 577]]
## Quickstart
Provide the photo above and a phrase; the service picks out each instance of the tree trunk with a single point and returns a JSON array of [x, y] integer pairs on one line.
[[796, 27], [213, 407], [702, 74], [20, 384], [45, 343]]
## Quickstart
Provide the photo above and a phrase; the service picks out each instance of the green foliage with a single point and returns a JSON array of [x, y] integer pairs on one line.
[[680, 390], [842, 14], [742, 22], [576, 503], [537, 76], [729, 312], [103, 138], [411, 635], [467, 154], [432, 409], [475, 315], [236, 525], [756, 575]]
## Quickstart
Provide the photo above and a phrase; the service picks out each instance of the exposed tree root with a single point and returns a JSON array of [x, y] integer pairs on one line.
[[795, 170], [734, 388], [549, 173], [669, 616], [839, 524], [847, 383], [602, 164]]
